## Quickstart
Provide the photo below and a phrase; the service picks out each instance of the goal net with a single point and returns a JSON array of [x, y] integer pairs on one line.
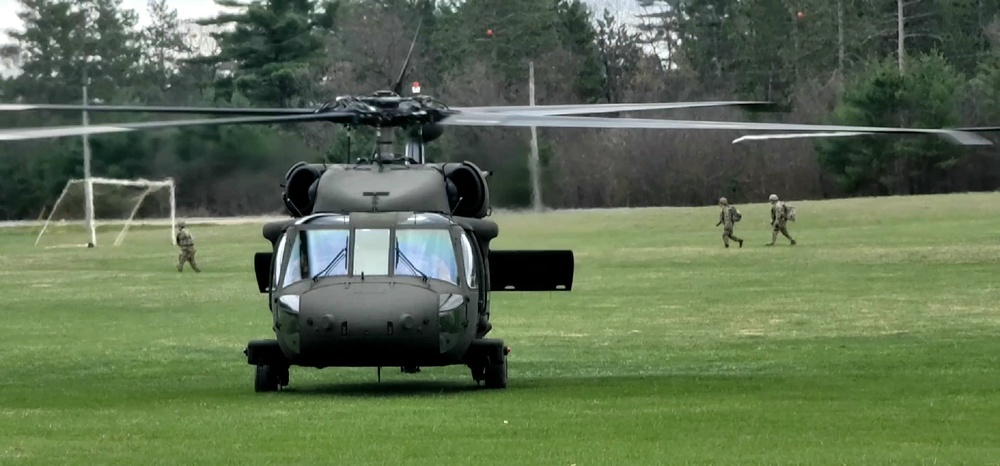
[[116, 206]]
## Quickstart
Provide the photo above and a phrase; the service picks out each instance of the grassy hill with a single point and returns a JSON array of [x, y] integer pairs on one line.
[[873, 341]]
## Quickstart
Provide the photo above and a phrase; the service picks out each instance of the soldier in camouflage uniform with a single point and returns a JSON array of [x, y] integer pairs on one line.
[[779, 220], [726, 220], [186, 242]]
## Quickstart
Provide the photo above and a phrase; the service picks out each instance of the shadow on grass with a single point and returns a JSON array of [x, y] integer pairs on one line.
[[387, 389], [884, 368], [560, 386], [805, 370]]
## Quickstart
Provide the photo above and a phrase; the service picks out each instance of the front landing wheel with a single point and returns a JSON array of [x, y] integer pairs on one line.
[[488, 362], [495, 375], [270, 378]]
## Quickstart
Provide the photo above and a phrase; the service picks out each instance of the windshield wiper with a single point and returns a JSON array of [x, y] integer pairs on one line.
[[400, 255], [336, 260]]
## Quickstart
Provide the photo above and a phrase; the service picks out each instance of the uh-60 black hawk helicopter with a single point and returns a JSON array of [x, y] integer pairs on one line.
[[386, 262]]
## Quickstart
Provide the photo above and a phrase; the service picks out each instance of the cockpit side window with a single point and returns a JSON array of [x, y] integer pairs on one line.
[[469, 256], [279, 256], [293, 271]]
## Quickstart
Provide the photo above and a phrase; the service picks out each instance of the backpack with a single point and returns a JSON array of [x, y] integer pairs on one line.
[[735, 214], [789, 212]]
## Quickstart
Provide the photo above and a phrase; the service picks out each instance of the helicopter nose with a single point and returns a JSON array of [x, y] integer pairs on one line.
[[369, 324]]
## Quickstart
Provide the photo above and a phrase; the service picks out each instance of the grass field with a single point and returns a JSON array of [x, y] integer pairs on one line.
[[873, 341]]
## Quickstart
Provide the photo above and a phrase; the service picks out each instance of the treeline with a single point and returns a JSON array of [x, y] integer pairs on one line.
[[836, 62]]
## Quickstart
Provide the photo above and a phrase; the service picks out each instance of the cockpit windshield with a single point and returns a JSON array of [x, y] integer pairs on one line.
[[427, 253], [318, 253], [337, 250]]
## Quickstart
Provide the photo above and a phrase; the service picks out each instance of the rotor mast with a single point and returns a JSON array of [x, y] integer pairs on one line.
[[385, 135], [385, 142], [415, 142], [415, 149]]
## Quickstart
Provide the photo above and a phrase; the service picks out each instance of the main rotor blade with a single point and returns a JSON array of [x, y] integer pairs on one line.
[[766, 137], [584, 109], [144, 109], [398, 87], [980, 129], [500, 119], [63, 131]]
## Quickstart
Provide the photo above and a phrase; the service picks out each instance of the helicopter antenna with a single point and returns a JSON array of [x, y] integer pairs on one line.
[[453, 209], [385, 140], [398, 86]]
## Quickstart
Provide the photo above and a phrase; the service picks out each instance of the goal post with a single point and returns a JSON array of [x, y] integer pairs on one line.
[[119, 195]]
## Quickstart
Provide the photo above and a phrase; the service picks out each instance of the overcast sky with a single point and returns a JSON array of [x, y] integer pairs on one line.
[[200, 8]]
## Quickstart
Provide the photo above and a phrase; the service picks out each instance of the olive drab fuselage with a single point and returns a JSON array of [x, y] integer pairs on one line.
[[388, 265], [392, 317]]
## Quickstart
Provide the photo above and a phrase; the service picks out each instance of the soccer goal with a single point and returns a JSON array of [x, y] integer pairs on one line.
[[109, 202]]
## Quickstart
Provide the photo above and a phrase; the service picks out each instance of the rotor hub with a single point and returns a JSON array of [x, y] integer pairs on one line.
[[386, 109]]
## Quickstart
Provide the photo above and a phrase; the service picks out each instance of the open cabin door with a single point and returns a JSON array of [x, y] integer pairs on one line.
[[262, 267], [531, 270]]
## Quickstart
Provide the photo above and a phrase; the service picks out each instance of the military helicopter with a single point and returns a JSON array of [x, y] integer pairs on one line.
[[386, 261]]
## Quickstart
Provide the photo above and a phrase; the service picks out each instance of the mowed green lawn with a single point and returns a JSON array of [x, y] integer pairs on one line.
[[873, 341]]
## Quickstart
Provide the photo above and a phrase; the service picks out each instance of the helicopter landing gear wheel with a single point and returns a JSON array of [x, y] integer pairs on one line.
[[478, 373], [270, 378], [489, 363], [495, 375]]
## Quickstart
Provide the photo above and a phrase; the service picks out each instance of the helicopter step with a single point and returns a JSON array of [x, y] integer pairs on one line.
[[272, 366], [487, 359]]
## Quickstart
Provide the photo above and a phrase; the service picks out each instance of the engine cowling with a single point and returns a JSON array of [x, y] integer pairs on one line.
[[468, 192], [300, 186]]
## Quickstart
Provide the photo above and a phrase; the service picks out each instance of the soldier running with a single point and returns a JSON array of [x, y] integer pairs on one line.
[[186, 242]]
